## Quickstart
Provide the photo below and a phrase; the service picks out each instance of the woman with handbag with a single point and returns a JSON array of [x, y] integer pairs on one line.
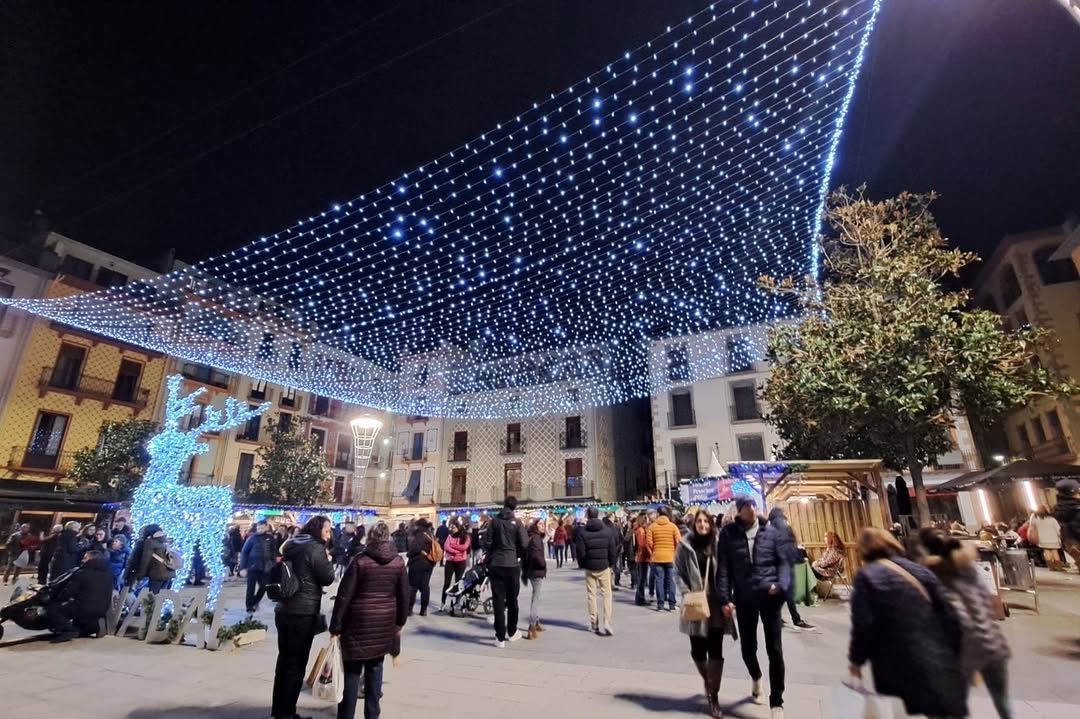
[[705, 617]]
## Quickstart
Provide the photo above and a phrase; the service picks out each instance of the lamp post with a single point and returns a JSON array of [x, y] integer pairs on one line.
[[365, 429]]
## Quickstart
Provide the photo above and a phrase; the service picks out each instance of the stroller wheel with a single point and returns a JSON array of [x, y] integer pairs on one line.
[[489, 606]]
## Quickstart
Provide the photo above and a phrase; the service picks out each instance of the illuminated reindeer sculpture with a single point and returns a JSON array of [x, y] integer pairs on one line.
[[189, 516]]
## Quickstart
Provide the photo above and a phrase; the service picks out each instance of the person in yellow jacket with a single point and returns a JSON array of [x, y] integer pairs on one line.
[[663, 538]]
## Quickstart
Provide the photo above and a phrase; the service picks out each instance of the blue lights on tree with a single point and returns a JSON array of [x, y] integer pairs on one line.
[[529, 271], [190, 516]]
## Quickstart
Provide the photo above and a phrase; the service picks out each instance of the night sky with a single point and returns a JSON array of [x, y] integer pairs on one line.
[[200, 126]]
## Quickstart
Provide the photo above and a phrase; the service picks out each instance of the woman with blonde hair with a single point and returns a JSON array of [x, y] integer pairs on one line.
[[903, 625]]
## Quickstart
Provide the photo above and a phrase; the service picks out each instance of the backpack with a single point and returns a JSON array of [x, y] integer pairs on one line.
[[436, 554], [173, 559], [283, 582]]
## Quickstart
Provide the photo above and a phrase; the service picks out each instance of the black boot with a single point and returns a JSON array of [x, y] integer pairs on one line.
[[715, 675], [703, 670]]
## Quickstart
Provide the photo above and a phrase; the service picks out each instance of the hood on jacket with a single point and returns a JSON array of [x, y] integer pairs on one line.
[[662, 520], [150, 530], [381, 552], [596, 525], [506, 513], [295, 545]]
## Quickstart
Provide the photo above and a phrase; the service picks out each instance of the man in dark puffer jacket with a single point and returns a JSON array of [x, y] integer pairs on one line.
[[789, 548], [371, 608], [755, 583], [596, 551]]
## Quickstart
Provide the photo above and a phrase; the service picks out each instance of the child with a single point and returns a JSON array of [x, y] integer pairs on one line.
[[118, 557]]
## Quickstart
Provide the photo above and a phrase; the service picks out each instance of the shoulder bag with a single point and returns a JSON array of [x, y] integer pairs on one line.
[[695, 606]]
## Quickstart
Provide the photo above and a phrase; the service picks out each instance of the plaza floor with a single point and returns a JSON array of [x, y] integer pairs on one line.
[[450, 665]]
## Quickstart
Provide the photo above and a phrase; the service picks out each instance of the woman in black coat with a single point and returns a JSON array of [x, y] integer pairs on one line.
[[420, 565], [66, 555], [299, 618], [903, 625], [533, 571], [372, 606]]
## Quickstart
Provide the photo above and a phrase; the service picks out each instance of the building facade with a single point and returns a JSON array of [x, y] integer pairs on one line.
[[1028, 283]]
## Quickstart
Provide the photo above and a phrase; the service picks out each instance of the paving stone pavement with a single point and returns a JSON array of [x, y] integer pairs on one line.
[[449, 664]]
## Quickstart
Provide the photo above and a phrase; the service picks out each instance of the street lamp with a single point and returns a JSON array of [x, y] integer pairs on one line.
[[365, 429]]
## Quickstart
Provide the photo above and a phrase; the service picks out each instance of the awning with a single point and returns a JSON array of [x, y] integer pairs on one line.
[[1007, 474]]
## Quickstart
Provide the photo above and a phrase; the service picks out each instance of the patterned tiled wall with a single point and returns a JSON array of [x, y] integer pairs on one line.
[[86, 415]]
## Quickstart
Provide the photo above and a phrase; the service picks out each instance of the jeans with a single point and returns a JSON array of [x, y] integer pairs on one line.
[[256, 587], [747, 611], [295, 634], [663, 575], [452, 572], [616, 571], [420, 581], [372, 676], [632, 570], [534, 603], [560, 555], [996, 676], [505, 585], [643, 577], [598, 580]]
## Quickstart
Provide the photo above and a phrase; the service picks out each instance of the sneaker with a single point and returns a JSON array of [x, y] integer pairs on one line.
[[500, 644], [776, 713], [607, 631], [595, 629], [514, 637], [755, 691], [803, 624]]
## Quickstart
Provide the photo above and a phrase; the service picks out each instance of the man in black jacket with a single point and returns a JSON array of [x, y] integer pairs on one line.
[[505, 542], [1067, 514], [83, 601], [596, 549], [257, 558], [755, 584], [789, 547]]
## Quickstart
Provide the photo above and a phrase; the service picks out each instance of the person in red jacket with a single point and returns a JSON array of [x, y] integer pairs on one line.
[[641, 558], [456, 549], [370, 610], [559, 540]]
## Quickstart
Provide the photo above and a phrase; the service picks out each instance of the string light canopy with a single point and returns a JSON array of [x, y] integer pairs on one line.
[[528, 271]]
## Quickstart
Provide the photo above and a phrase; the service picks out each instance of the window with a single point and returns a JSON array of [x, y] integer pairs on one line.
[[686, 460], [1040, 431], [6, 291], [1054, 420], [417, 451], [682, 409], [127, 381], [513, 438], [251, 429], [746, 406], [575, 482], [458, 485], [74, 267], [339, 489], [206, 375], [460, 451], [258, 389], [740, 354], [196, 418], [1024, 437], [678, 359], [512, 479], [296, 361], [343, 455], [111, 278], [1010, 288], [69, 364], [572, 439], [288, 397], [320, 437], [422, 377], [284, 421], [751, 448], [1053, 272], [46, 441], [243, 473], [320, 406], [266, 346]]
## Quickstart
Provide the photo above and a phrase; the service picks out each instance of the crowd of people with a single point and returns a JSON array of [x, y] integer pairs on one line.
[[921, 617]]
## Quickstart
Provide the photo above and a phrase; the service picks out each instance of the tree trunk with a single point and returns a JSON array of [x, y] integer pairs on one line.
[[922, 506]]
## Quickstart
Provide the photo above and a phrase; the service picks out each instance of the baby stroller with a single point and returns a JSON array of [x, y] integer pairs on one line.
[[28, 608], [467, 595]]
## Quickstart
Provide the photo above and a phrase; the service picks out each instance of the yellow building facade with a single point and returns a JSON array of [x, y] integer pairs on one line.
[[67, 385]]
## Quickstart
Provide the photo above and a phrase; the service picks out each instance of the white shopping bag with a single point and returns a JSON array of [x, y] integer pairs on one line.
[[330, 683], [854, 701]]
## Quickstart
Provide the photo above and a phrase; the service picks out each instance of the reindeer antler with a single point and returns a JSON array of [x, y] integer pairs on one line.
[[178, 407], [236, 413]]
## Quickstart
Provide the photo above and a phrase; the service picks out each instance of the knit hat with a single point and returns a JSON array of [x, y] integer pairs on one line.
[[1067, 487]]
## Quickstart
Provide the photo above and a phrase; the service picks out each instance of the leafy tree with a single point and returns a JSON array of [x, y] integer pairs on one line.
[[883, 355], [115, 467], [293, 469]]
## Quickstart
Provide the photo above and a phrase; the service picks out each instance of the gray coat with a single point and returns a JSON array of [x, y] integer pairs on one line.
[[688, 578]]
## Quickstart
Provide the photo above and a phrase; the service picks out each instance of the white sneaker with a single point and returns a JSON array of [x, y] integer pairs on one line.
[[608, 631], [513, 637], [500, 644], [776, 713], [755, 691]]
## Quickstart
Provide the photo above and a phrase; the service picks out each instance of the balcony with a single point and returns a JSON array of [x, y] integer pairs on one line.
[[683, 418], [25, 460], [407, 455], [343, 460], [1052, 450], [206, 375], [84, 386], [573, 487], [198, 479], [512, 446], [745, 412], [573, 440], [458, 454]]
